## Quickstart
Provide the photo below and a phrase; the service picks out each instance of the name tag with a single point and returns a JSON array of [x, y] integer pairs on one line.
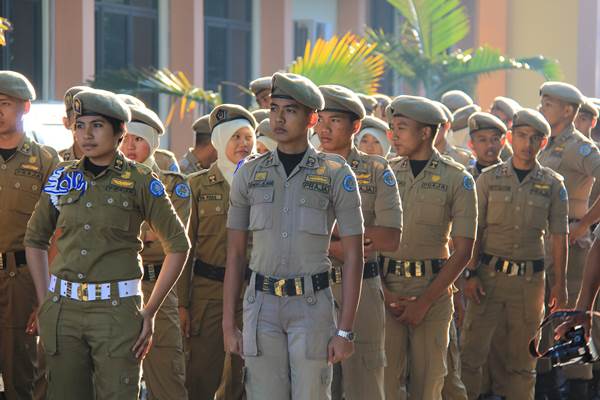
[[210, 196], [435, 186]]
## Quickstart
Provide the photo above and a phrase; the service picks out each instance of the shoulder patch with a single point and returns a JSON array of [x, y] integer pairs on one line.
[[563, 194], [585, 149], [156, 188], [468, 182], [182, 190], [389, 178], [174, 167], [349, 183]]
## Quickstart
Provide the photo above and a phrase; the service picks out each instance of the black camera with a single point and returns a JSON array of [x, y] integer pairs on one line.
[[572, 349]]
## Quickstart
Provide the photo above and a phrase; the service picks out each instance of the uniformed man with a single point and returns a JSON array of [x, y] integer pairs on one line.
[[92, 323], [24, 168], [372, 137], [462, 156], [74, 152], [517, 200], [264, 137], [201, 285], [587, 117], [577, 159], [382, 102], [459, 136], [455, 99], [361, 376], [369, 102], [505, 108], [438, 200], [164, 365], [289, 199], [203, 154], [488, 134], [261, 88]]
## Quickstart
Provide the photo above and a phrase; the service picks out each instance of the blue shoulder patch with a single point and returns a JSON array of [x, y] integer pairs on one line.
[[156, 188], [468, 183], [174, 168], [389, 178], [349, 183], [563, 194], [585, 149], [182, 190]]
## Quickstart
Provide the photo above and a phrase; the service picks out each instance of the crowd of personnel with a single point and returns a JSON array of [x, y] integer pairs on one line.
[[327, 245]]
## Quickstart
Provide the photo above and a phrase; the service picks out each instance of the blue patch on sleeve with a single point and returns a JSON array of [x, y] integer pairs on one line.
[[182, 190], [468, 183], [389, 178], [173, 168], [563, 194], [585, 149], [156, 188], [349, 183]]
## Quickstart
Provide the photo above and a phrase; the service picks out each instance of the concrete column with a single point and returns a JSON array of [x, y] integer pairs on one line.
[[352, 16], [276, 35], [588, 48]]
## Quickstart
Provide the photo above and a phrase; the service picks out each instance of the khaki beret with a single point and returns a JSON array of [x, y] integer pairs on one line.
[[461, 116], [507, 105], [16, 85], [589, 107], [299, 88], [338, 98], [375, 123], [101, 102], [446, 110], [131, 100], [368, 102], [260, 84], [382, 99], [562, 91], [264, 128], [70, 93], [229, 112], [148, 117], [416, 108], [261, 114], [532, 118], [455, 99], [202, 125], [480, 121]]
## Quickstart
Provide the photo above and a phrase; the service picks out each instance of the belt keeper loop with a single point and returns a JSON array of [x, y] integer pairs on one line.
[[528, 269], [309, 289], [114, 291], [428, 268], [252, 282]]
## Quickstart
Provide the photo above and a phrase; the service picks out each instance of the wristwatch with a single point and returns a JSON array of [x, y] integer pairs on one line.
[[469, 273], [348, 335]]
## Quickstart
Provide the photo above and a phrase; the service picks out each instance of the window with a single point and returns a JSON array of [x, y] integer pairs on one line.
[[23, 50], [228, 48], [305, 30], [127, 36], [384, 16]]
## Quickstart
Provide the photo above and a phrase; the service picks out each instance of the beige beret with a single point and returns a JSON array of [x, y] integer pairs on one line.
[[229, 112], [70, 93], [264, 128], [446, 110], [131, 100], [148, 117], [101, 102], [297, 87], [507, 105], [532, 118], [368, 102], [416, 108], [382, 99], [461, 116], [589, 107], [16, 85], [375, 123], [480, 121], [260, 84], [202, 125], [455, 99], [562, 91], [338, 98], [261, 114]]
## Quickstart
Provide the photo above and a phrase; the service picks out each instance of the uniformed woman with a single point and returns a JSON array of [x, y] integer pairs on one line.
[[201, 298], [94, 329], [164, 366], [372, 137]]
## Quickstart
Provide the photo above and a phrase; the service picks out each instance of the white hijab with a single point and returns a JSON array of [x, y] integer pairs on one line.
[[377, 134], [149, 134], [220, 137]]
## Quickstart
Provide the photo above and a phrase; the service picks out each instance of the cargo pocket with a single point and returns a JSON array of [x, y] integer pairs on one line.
[[313, 215], [126, 325], [197, 313], [252, 304], [130, 378], [319, 324], [261, 209], [533, 298], [326, 376], [374, 359], [48, 322]]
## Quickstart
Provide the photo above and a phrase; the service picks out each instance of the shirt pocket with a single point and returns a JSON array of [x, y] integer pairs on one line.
[[119, 210], [26, 195], [537, 215], [431, 209], [212, 217], [261, 209], [500, 206], [313, 214]]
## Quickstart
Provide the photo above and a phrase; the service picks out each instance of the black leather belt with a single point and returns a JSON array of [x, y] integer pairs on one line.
[[151, 272], [292, 286], [370, 270], [213, 272], [513, 268], [20, 259], [410, 269]]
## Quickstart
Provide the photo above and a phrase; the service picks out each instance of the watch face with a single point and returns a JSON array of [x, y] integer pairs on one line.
[[351, 336]]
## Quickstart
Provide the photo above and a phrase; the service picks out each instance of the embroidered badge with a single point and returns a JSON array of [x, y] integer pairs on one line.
[[173, 167], [389, 178], [320, 171], [349, 183], [59, 184], [212, 178], [354, 163], [32, 159], [310, 162], [182, 190], [563, 194], [124, 183], [435, 178], [260, 176], [585, 149], [30, 167], [156, 188], [77, 106], [126, 175], [317, 179], [468, 183]]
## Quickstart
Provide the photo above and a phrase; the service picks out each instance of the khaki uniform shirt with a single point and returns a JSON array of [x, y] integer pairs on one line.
[[22, 177], [100, 218], [68, 154], [189, 163], [577, 159], [166, 160], [463, 157], [439, 202], [514, 216], [291, 217]]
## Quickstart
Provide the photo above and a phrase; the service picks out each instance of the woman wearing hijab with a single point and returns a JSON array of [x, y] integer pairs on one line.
[[372, 137]]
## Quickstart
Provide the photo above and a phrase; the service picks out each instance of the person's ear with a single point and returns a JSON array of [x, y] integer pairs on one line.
[[356, 124], [509, 137], [313, 119], [26, 106], [470, 144], [65, 121], [503, 141], [544, 142], [594, 122]]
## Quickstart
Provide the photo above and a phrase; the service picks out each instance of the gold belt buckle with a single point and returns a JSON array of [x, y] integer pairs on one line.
[[279, 285], [505, 267], [407, 273], [338, 274], [69, 288], [82, 292], [418, 269], [298, 285]]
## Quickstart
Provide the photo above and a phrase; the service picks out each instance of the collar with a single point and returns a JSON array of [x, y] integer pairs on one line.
[[193, 159], [566, 134], [434, 161], [310, 159], [214, 175], [117, 165], [25, 145], [508, 169], [354, 158]]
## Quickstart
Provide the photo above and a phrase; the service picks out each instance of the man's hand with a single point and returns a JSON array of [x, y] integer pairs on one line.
[[581, 319], [577, 230], [144, 341], [558, 297], [392, 302], [232, 339], [336, 250], [459, 309], [474, 289], [339, 349], [414, 311], [184, 321], [368, 247], [32, 323]]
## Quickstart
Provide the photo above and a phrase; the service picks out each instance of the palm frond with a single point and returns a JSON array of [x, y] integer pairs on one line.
[[5, 26], [349, 61]]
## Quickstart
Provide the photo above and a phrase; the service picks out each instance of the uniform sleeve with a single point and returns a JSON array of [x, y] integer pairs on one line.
[[388, 207], [159, 213], [184, 284], [239, 204], [558, 220], [42, 224], [590, 159], [181, 199], [483, 193], [464, 207], [346, 202]]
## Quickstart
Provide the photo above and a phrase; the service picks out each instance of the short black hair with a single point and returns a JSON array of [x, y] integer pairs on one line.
[[117, 125], [202, 139]]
